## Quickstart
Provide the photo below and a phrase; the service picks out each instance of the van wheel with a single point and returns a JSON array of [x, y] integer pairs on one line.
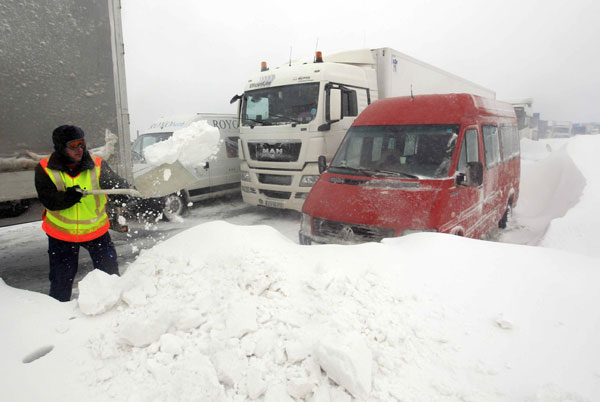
[[174, 207], [503, 221]]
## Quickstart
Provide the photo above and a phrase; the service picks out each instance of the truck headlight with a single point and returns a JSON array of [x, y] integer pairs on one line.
[[305, 226], [308, 180], [245, 175]]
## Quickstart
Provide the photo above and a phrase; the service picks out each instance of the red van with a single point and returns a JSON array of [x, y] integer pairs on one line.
[[439, 163]]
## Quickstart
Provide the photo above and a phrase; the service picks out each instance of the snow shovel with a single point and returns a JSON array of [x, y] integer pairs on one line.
[[155, 182]]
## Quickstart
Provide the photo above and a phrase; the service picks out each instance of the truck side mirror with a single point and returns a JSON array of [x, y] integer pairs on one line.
[[335, 104], [322, 163], [474, 174]]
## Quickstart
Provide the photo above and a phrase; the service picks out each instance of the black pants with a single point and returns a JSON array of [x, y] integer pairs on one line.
[[64, 257]]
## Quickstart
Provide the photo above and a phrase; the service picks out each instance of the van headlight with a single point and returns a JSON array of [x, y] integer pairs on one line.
[[305, 226], [308, 180], [244, 175]]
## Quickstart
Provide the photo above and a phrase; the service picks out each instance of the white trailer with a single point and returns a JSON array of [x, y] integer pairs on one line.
[[62, 63], [292, 114], [218, 177]]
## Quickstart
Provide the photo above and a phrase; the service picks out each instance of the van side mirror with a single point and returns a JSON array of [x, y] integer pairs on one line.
[[322, 163], [335, 104], [474, 174]]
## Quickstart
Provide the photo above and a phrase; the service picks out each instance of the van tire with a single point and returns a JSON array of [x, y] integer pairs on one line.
[[504, 220], [174, 207]]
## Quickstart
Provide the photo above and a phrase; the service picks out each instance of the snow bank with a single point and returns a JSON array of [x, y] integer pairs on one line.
[[192, 146], [224, 312], [572, 230], [559, 194]]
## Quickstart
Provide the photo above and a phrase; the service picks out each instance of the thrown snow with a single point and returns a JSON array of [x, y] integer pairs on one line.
[[192, 146], [232, 313], [167, 174]]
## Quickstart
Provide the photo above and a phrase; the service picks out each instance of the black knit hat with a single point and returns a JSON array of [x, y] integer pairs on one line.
[[63, 134]]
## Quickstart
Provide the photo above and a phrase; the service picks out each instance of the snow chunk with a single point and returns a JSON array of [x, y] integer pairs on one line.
[[192, 146], [171, 344], [347, 360], [142, 332], [277, 393], [230, 368], [98, 292], [241, 318]]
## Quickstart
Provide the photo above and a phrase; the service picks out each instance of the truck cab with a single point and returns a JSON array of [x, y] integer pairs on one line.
[[291, 115]]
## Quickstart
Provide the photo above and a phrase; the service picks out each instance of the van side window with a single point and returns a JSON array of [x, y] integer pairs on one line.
[[510, 142], [491, 146], [516, 141], [469, 151], [231, 146], [349, 102]]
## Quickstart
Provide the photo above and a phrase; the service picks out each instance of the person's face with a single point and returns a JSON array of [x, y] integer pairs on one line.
[[74, 150]]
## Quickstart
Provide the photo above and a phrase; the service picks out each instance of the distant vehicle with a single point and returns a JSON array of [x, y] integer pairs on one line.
[[216, 178], [434, 163], [62, 63], [561, 129], [525, 119], [292, 114]]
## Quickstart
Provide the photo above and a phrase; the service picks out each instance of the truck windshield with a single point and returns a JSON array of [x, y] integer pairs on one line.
[[280, 105], [411, 150]]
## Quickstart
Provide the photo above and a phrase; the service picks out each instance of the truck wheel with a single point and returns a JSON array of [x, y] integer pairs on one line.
[[502, 222], [174, 207]]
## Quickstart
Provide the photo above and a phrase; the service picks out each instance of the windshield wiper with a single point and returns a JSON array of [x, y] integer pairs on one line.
[[359, 171], [259, 122], [286, 118], [393, 172]]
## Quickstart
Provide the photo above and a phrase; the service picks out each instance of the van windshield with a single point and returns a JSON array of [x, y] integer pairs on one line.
[[410, 150], [280, 105]]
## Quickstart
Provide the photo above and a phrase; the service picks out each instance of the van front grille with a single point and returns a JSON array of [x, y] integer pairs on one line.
[[349, 232]]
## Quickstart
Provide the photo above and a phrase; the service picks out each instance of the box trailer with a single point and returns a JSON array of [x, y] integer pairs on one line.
[[62, 63], [290, 115]]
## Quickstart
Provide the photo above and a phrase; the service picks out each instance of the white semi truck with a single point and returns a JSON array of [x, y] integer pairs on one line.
[[61, 63], [292, 114]]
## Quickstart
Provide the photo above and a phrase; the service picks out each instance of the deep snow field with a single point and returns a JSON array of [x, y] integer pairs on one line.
[[222, 312]]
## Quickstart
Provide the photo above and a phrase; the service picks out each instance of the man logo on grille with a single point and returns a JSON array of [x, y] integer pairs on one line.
[[347, 233]]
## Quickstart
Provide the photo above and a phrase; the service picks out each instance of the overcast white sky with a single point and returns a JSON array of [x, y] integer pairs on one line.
[[185, 56]]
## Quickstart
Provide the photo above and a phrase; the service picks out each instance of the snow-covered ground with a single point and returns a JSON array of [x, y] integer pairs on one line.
[[224, 312]]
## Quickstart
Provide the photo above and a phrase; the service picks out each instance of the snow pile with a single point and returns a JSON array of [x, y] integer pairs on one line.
[[224, 312], [192, 146]]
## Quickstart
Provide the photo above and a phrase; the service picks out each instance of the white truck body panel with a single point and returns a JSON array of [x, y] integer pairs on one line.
[[276, 155], [397, 72], [221, 175]]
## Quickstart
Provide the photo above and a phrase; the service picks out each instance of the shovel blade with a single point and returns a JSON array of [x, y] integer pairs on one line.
[[159, 181]]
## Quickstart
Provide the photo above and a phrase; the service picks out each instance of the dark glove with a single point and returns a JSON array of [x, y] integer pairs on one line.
[[73, 194]]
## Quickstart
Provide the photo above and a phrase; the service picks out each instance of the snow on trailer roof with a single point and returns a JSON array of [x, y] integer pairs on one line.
[[431, 109]]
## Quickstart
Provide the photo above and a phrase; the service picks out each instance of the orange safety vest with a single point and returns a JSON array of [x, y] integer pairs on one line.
[[87, 219]]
